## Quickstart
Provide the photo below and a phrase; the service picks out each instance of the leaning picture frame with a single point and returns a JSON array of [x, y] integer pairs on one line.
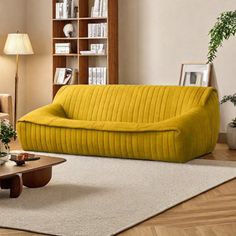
[[195, 74]]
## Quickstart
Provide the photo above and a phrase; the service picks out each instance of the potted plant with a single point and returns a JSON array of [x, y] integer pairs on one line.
[[7, 133], [231, 128], [224, 28]]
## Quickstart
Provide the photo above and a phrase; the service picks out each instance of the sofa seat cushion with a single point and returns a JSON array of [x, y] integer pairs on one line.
[[54, 116]]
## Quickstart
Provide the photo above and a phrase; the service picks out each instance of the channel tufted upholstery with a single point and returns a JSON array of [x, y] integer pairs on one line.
[[166, 123]]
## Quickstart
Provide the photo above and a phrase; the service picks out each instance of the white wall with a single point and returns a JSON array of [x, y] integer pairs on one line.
[[39, 66], [12, 18], [155, 37]]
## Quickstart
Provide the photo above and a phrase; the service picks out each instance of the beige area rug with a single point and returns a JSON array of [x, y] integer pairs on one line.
[[90, 196]]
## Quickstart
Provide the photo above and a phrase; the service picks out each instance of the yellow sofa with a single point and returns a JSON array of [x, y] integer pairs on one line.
[[166, 123]]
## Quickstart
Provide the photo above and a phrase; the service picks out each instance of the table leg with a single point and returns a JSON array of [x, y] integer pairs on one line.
[[15, 185], [38, 178]]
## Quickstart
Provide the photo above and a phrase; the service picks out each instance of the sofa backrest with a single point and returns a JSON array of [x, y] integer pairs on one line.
[[130, 103]]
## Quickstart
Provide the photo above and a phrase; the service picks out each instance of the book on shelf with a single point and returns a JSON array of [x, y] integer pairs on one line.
[[97, 30], [62, 48], [66, 9], [98, 48], [65, 76], [95, 49], [97, 76], [99, 9]]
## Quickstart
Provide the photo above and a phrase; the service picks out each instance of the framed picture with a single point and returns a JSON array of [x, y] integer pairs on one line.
[[63, 75], [195, 74]]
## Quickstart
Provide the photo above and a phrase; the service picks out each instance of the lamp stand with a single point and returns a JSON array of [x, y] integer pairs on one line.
[[16, 90]]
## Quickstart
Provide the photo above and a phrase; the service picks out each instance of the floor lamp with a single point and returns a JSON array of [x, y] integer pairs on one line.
[[17, 44]]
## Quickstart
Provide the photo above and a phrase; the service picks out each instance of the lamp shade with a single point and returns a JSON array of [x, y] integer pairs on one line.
[[18, 44]]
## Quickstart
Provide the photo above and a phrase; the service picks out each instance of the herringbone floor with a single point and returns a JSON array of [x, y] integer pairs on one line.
[[210, 214]]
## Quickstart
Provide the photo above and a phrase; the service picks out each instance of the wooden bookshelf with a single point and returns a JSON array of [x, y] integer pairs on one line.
[[80, 42]]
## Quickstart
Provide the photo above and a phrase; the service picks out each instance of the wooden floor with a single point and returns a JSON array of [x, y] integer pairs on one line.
[[210, 214]]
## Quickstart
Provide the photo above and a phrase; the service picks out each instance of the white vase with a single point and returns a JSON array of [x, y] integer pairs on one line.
[[4, 154], [231, 137]]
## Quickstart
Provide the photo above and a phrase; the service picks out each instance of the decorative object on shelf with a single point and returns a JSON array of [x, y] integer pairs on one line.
[[68, 30], [62, 48], [66, 76], [7, 133], [224, 28], [195, 75], [17, 44], [231, 128]]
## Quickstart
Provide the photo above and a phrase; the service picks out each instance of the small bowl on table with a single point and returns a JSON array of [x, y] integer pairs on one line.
[[19, 158]]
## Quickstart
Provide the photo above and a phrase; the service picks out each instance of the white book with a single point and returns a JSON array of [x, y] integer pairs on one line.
[[96, 8], [92, 11], [93, 48], [90, 75], [101, 8], [99, 73], [100, 49], [59, 10], [94, 30], [59, 75], [94, 75], [105, 30], [104, 75], [87, 52], [102, 29], [89, 30], [72, 11], [65, 9], [104, 8]]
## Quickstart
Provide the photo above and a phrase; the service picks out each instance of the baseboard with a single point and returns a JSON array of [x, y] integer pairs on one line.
[[222, 138]]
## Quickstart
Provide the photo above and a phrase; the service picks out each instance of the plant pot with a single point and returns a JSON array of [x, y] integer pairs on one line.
[[4, 154], [231, 137], [4, 157]]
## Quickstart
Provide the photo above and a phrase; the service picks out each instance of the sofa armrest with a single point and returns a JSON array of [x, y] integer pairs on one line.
[[185, 122], [6, 105], [45, 115], [197, 130]]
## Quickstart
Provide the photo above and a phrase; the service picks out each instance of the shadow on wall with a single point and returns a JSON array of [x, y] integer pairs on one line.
[[2, 43], [214, 82]]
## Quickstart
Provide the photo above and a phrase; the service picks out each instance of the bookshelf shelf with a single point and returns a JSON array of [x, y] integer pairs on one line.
[[67, 19], [93, 18], [65, 55], [93, 55], [63, 38], [92, 38], [82, 42]]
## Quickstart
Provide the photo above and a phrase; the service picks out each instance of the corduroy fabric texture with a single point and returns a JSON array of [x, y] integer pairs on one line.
[[166, 123]]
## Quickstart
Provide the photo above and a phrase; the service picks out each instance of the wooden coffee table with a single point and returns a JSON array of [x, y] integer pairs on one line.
[[34, 174]]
